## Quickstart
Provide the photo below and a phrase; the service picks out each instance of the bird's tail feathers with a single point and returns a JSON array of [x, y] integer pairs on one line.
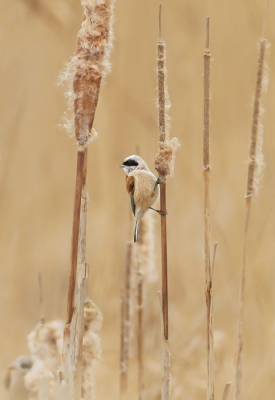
[[138, 218]]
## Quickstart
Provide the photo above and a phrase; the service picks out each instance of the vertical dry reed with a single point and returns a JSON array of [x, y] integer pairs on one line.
[[208, 271], [140, 332], [161, 51], [162, 102], [226, 391], [144, 273], [125, 321], [73, 335], [164, 164], [143, 263], [254, 174], [90, 64]]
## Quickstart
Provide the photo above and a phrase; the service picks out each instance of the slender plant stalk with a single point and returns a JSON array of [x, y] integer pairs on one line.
[[90, 63], [226, 391], [142, 263], [250, 192], [125, 322], [162, 123], [79, 184], [161, 58], [208, 271], [166, 374], [82, 268], [73, 334], [41, 298], [140, 335]]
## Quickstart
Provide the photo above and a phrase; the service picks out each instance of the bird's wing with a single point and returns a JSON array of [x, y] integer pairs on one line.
[[130, 186]]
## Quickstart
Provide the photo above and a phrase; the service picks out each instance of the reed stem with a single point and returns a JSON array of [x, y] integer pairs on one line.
[[226, 391], [208, 269], [140, 335], [251, 190], [163, 102], [125, 321], [161, 58], [79, 184]]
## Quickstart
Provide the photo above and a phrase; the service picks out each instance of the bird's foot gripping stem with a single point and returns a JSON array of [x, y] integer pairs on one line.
[[159, 182], [159, 211]]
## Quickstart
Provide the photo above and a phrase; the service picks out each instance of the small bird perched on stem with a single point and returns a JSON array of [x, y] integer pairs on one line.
[[142, 186]]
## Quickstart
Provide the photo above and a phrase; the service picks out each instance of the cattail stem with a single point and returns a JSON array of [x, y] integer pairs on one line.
[[161, 58], [208, 269], [73, 334], [41, 298], [226, 391], [140, 334], [79, 184], [125, 321], [90, 63], [163, 104], [252, 183], [164, 261], [166, 374]]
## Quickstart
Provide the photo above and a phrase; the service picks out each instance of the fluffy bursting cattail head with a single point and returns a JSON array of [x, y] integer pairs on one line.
[[91, 351], [89, 65], [45, 344], [256, 158], [164, 160]]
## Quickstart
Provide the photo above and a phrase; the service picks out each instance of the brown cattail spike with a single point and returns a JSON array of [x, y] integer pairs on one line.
[[206, 57], [86, 70], [253, 177], [164, 164], [253, 156]]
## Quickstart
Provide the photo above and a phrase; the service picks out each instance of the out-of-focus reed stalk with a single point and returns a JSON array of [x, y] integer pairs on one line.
[[140, 332], [166, 374], [125, 321], [143, 263], [41, 298], [254, 174], [73, 334], [208, 268], [87, 68], [226, 391], [164, 164]]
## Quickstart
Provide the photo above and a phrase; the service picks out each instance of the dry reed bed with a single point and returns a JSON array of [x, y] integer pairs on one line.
[[209, 259]]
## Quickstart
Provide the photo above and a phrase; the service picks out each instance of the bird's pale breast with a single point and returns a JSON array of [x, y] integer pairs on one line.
[[145, 193]]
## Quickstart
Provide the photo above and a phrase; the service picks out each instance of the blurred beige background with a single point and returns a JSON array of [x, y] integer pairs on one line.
[[37, 174]]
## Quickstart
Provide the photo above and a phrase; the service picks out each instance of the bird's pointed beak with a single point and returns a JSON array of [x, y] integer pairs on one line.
[[121, 166]]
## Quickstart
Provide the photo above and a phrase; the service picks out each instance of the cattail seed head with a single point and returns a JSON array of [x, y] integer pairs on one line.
[[90, 64], [45, 344], [256, 158], [165, 159]]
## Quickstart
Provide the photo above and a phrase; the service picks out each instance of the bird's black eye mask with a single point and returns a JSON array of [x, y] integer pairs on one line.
[[130, 163]]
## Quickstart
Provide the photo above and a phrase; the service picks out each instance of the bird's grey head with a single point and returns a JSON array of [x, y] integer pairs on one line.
[[133, 163]]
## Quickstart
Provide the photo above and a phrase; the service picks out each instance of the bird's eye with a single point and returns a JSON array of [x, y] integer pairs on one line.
[[130, 163]]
